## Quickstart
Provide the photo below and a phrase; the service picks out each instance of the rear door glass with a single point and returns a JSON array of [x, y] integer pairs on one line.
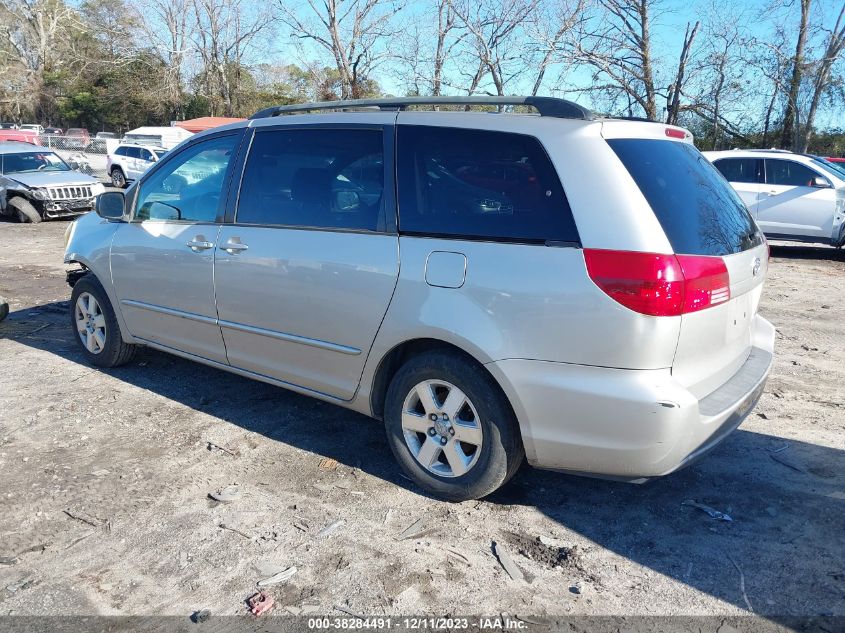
[[740, 169], [699, 212]]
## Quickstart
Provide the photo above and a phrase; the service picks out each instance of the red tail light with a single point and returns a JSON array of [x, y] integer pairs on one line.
[[674, 133], [659, 285]]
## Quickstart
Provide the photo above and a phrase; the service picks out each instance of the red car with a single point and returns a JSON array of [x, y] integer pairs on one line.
[[24, 136], [77, 138]]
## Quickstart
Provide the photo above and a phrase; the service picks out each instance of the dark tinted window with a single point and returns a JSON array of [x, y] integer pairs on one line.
[[479, 184], [189, 186], [787, 172], [324, 178], [740, 169], [145, 155], [133, 152], [120, 151], [699, 212]]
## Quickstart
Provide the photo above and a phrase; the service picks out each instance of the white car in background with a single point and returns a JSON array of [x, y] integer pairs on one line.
[[128, 161], [34, 127], [792, 196]]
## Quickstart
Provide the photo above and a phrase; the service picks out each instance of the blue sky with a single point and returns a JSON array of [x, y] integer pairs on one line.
[[668, 32]]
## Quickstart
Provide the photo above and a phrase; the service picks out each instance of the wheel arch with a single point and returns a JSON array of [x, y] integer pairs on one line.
[[390, 363], [103, 277]]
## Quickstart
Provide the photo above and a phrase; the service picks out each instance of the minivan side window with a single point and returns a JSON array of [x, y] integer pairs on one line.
[[477, 184], [740, 169], [314, 178], [188, 187], [787, 172]]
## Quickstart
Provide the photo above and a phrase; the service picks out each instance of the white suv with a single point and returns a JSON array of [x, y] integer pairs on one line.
[[792, 196], [128, 161]]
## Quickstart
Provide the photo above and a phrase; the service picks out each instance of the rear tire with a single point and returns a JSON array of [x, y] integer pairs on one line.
[[117, 178], [95, 326], [463, 441], [24, 211]]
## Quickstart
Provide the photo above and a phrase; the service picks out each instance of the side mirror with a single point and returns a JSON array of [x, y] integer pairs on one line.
[[110, 205], [820, 183]]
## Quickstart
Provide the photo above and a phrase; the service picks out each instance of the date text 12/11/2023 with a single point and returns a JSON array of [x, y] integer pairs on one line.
[[492, 623]]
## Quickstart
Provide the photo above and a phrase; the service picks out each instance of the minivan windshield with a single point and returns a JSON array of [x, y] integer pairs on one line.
[[697, 208], [22, 162]]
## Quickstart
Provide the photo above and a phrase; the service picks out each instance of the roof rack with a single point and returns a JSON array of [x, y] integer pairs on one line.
[[546, 106]]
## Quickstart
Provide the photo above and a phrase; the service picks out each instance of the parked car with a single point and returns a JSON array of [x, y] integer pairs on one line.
[[36, 184], [373, 260], [77, 138], [105, 135], [21, 136], [8, 125], [53, 131], [128, 161], [792, 196], [32, 127]]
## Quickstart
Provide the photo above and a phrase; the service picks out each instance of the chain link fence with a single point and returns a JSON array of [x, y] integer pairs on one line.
[[88, 155]]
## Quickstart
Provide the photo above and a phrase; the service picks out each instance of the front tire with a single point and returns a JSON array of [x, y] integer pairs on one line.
[[24, 211], [117, 178], [451, 428], [95, 325]]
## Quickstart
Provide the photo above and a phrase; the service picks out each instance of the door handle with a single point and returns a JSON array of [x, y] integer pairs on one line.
[[234, 247], [198, 245]]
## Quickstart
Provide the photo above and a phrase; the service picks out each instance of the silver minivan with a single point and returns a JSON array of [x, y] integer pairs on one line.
[[497, 285]]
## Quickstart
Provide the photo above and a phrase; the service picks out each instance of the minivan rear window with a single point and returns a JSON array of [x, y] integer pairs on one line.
[[698, 210]]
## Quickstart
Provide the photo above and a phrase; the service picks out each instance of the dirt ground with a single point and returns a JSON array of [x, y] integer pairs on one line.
[[105, 476]]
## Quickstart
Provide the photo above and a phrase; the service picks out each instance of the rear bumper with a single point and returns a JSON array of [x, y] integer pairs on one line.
[[627, 424]]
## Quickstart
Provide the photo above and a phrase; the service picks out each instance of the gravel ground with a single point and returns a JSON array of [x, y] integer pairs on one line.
[[104, 505]]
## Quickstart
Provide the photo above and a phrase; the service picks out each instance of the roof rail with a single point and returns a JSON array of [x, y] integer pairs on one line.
[[546, 106], [774, 149]]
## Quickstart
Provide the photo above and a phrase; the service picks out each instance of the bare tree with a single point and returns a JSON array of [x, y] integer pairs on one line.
[[429, 41], [353, 32], [789, 135], [723, 70], [673, 100], [497, 35], [225, 30], [822, 74], [617, 44], [555, 22], [31, 31], [167, 23]]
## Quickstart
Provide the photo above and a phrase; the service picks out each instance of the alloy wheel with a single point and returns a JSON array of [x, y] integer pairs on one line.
[[441, 428], [90, 323]]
